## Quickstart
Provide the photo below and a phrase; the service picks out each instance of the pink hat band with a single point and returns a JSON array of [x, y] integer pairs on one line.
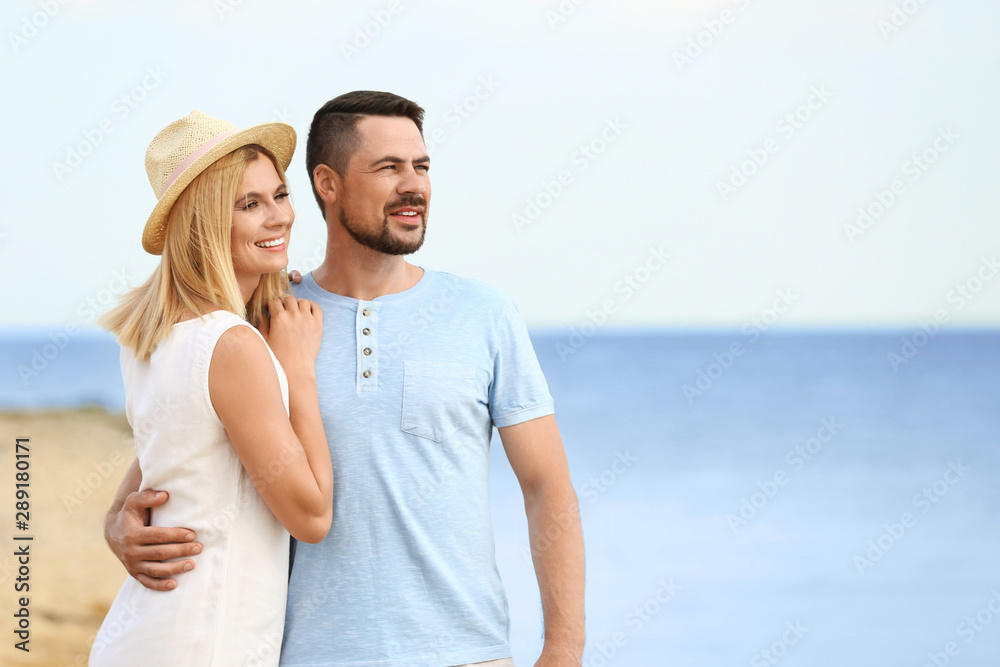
[[190, 159]]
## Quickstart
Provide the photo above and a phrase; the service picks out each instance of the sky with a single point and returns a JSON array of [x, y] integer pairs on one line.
[[816, 163]]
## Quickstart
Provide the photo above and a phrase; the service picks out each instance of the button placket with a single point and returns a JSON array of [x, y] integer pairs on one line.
[[366, 338]]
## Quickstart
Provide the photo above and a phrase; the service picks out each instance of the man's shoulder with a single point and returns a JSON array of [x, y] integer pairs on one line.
[[308, 288], [298, 289], [485, 294]]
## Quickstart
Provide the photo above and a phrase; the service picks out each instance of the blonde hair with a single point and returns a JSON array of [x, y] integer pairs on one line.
[[197, 261]]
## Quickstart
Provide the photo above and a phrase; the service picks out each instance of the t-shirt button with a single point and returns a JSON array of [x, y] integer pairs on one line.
[[366, 331], [367, 374], [367, 351], [366, 312]]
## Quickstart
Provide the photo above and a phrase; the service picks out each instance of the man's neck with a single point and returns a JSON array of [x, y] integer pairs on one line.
[[364, 274]]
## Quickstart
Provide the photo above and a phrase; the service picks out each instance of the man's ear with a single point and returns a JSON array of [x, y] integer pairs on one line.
[[327, 183]]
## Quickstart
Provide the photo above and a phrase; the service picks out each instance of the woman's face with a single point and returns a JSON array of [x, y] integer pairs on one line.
[[262, 222]]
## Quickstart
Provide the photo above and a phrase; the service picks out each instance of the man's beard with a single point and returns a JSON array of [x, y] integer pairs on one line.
[[382, 240]]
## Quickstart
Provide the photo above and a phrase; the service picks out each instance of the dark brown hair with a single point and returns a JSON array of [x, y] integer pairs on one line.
[[334, 137]]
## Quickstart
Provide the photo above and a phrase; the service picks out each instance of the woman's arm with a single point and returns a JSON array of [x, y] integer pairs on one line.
[[287, 457]]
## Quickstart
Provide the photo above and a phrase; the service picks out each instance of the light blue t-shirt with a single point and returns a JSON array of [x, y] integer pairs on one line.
[[410, 386]]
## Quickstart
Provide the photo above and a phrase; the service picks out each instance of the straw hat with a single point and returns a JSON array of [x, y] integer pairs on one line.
[[183, 149]]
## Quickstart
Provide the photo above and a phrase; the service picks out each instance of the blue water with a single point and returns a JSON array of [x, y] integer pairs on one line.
[[59, 368], [869, 494]]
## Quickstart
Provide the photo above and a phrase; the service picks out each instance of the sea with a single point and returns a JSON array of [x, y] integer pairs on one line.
[[797, 498]]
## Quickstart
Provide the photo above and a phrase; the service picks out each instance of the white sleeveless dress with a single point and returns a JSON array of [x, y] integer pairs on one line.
[[230, 609]]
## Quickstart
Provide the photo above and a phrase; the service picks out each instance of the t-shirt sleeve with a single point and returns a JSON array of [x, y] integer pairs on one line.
[[519, 392]]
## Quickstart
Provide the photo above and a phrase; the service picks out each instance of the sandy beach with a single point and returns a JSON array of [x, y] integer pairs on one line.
[[77, 459]]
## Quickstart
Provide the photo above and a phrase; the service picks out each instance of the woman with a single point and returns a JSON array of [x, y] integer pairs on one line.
[[239, 448]]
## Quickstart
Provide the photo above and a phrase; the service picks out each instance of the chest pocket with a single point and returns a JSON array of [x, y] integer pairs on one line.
[[438, 398]]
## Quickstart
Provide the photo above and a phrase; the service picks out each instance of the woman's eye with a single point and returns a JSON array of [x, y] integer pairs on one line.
[[249, 205]]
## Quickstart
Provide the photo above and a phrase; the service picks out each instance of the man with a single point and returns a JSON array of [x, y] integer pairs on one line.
[[415, 368]]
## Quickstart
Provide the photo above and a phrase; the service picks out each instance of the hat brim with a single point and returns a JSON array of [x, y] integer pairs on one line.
[[277, 138]]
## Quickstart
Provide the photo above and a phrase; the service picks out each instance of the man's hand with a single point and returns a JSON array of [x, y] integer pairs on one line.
[[141, 547], [294, 276]]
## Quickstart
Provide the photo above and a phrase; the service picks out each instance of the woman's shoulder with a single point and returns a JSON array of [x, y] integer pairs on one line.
[[202, 335], [210, 326], [240, 343], [210, 319]]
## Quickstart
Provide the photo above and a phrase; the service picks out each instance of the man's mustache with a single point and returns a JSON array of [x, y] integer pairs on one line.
[[406, 200]]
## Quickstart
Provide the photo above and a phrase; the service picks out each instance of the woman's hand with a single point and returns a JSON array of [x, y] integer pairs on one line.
[[294, 331]]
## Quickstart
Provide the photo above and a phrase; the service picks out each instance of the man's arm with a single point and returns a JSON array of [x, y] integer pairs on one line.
[[141, 547], [535, 451]]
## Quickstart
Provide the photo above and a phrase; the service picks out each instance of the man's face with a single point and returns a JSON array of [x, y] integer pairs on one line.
[[384, 196]]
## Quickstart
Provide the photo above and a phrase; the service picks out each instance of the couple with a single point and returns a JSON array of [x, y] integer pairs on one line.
[[403, 370]]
